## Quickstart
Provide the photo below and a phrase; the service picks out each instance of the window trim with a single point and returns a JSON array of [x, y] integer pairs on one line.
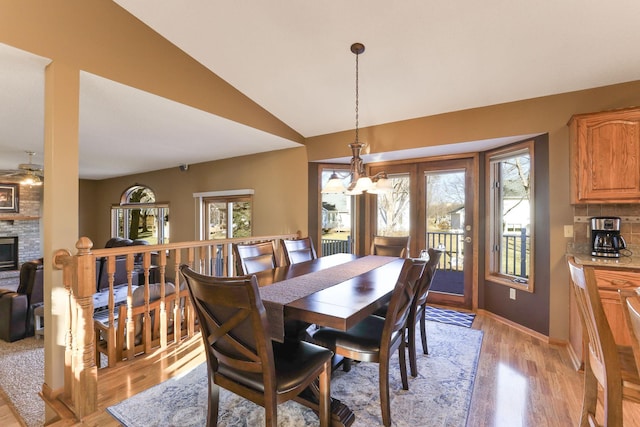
[[126, 205], [492, 202]]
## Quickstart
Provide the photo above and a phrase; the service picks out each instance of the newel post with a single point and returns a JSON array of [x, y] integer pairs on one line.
[[85, 372]]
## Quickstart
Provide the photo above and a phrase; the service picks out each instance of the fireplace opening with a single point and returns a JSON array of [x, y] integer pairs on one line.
[[8, 253]]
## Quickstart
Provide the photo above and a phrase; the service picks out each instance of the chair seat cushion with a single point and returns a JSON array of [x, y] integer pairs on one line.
[[363, 338], [293, 362], [382, 311]]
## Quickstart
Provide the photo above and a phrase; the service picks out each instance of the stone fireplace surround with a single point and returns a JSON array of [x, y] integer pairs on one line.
[[25, 224]]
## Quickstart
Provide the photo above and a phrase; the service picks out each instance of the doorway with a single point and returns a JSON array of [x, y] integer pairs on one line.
[[446, 190], [433, 202]]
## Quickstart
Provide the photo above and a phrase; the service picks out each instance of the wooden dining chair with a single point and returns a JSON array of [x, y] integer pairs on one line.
[[418, 310], [630, 300], [390, 246], [375, 338], [254, 257], [606, 364], [242, 358], [298, 250]]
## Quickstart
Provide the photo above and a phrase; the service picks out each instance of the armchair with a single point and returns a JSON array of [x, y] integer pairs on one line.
[[16, 308]]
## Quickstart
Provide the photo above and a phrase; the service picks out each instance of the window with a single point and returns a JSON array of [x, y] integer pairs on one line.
[[394, 208], [227, 217], [337, 216], [510, 210], [139, 216]]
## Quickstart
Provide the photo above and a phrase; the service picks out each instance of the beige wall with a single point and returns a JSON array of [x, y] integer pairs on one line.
[[540, 115], [279, 179]]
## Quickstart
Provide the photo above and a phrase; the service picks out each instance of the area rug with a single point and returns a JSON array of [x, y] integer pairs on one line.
[[451, 317], [439, 396], [22, 376]]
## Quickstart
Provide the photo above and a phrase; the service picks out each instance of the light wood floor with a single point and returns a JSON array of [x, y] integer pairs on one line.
[[521, 381]]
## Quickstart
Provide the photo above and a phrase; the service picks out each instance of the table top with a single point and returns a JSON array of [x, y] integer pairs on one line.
[[341, 305]]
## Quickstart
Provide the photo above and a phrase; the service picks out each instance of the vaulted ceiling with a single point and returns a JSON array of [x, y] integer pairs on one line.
[[422, 57]]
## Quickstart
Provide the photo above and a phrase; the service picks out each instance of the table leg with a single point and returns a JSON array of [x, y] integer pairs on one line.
[[341, 415]]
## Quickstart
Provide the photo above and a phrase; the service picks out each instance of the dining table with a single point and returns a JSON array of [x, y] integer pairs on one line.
[[336, 291]]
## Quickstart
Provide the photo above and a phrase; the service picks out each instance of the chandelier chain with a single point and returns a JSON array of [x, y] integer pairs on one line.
[[357, 96]]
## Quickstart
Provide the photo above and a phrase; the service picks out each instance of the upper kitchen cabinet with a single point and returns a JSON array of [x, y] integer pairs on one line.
[[605, 157]]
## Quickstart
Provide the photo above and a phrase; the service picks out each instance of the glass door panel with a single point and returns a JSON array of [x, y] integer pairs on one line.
[[393, 213], [217, 220], [337, 218], [448, 225], [226, 218]]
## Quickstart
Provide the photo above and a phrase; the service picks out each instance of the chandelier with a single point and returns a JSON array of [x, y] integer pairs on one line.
[[360, 182]]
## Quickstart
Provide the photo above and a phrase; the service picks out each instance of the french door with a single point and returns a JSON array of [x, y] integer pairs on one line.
[[433, 202]]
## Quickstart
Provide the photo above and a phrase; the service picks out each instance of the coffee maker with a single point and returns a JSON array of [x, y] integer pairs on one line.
[[606, 240]]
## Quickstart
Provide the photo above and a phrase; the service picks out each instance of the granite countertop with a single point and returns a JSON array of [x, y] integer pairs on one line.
[[629, 258]]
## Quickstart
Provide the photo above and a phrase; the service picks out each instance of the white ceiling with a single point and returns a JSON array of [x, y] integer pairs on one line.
[[292, 57]]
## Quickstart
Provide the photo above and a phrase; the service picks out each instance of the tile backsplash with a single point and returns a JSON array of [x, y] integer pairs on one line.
[[630, 224]]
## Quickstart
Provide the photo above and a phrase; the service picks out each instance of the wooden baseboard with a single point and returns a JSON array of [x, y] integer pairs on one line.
[[575, 360], [521, 328]]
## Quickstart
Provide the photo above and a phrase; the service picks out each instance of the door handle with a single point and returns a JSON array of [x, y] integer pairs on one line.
[[467, 239]]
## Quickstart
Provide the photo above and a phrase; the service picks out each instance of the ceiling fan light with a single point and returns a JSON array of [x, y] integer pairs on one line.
[[31, 180]]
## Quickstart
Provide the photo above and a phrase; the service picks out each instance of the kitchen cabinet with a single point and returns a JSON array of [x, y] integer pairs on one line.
[[605, 156], [609, 281]]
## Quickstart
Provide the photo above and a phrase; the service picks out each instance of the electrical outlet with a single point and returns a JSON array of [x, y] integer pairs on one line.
[[568, 231], [512, 293]]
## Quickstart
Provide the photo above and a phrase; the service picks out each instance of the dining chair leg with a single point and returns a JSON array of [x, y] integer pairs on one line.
[[411, 345], [324, 397], [423, 329], [589, 397], [385, 404], [270, 411], [403, 366], [214, 398]]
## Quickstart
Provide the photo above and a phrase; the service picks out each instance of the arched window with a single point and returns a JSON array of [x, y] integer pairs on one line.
[[139, 216]]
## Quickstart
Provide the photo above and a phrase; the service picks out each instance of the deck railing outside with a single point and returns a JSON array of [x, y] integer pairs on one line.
[[515, 247], [336, 246]]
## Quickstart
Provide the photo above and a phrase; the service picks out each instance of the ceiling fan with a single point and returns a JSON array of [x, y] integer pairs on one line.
[[28, 173]]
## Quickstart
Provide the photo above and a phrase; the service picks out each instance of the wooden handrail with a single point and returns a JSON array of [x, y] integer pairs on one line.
[[158, 262]]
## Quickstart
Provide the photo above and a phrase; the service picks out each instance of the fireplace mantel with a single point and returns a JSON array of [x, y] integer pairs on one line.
[[18, 218]]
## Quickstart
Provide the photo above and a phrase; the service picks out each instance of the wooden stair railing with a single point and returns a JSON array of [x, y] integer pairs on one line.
[[81, 374]]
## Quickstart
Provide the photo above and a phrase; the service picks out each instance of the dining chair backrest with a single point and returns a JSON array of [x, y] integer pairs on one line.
[[602, 348], [298, 250], [402, 297], [631, 311], [607, 364], [242, 358], [233, 322], [422, 291], [418, 309], [390, 246], [254, 257]]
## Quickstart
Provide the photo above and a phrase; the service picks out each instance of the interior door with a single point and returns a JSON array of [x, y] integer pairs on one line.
[[446, 222]]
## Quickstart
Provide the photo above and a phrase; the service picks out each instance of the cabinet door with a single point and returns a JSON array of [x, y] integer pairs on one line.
[[609, 281], [606, 156]]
